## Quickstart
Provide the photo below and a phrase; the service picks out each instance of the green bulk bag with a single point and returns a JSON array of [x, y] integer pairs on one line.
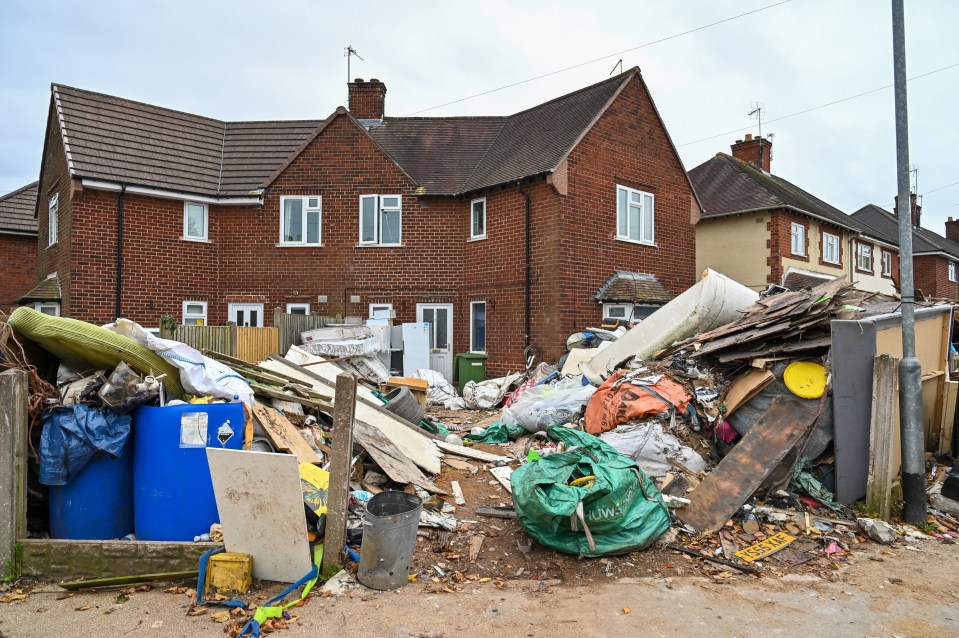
[[620, 512]]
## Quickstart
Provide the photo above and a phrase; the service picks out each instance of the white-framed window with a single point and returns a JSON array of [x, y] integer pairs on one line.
[[301, 220], [51, 308], [952, 271], [246, 314], [886, 263], [618, 311], [195, 221], [381, 220], [53, 219], [864, 257], [478, 218], [634, 215], [297, 308], [194, 313], [830, 248], [477, 326], [384, 310], [798, 239]]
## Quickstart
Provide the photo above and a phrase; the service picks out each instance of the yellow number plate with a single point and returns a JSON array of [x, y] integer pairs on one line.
[[765, 548]]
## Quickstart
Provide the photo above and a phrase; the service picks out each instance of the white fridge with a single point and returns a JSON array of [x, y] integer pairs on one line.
[[416, 347]]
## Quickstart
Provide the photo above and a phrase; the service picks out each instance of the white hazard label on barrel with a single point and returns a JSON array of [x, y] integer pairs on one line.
[[193, 427], [224, 433]]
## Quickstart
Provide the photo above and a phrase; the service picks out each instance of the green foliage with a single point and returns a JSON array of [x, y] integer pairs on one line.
[[13, 570]]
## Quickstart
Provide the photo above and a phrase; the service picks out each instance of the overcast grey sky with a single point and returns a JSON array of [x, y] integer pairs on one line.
[[247, 60]]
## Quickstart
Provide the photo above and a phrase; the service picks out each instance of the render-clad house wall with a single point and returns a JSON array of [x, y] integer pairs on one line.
[[737, 246]]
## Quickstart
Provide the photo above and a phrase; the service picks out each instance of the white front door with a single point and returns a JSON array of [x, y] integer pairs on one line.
[[440, 318], [247, 314]]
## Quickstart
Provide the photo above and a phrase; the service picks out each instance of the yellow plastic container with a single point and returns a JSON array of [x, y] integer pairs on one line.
[[805, 379], [228, 572]]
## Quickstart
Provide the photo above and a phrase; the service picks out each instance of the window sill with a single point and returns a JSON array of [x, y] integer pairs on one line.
[[826, 262], [380, 246], [196, 240], [865, 272], [53, 244], [282, 245], [471, 239], [803, 255], [636, 241]]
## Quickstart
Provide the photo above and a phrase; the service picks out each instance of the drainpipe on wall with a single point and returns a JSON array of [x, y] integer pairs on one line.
[[529, 268], [120, 201]]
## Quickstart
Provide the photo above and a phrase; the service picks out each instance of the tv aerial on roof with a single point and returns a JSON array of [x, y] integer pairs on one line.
[[349, 52]]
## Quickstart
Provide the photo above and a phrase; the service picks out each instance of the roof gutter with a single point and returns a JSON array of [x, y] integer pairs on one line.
[[854, 231], [102, 185]]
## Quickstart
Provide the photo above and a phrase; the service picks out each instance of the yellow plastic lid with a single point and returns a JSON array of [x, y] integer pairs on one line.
[[805, 379]]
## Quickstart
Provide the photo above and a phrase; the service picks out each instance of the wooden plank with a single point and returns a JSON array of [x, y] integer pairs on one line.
[[270, 393], [885, 396], [742, 471], [502, 474], [391, 459], [459, 464], [458, 497], [260, 502], [338, 496], [284, 434], [412, 441], [948, 417], [475, 544], [470, 452]]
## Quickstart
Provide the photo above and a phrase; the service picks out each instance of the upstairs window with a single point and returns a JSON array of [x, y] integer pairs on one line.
[[301, 221], [53, 219], [830, 248], [798, 239], [194, 221], [381, 220], [952, 271], [634, 215], [194, 313], [478, 219], [864, 258], [886, 263]]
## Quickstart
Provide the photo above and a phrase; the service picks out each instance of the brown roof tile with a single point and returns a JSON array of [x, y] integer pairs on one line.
[[46, 290], [17, 211], [635, 287]]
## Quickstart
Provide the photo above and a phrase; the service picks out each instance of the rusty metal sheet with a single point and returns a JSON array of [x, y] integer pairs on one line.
[[743, 470]]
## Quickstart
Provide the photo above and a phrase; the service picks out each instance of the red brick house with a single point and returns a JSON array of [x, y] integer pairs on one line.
[[934, 257], [18, 245], [499, 231], [761, 229]]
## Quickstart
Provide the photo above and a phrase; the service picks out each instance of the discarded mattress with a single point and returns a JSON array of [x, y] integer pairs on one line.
[[84, 346], [714, 301]]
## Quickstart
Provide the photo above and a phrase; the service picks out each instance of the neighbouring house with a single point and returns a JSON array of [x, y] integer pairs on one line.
[[18, 245], [761, 229], [498, 231], [934, 257]]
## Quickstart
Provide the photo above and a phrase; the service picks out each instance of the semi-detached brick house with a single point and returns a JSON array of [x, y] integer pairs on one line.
[[498, 230], [18, 245]]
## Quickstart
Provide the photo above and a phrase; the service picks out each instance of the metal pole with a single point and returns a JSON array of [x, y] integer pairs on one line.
[[910, 370]]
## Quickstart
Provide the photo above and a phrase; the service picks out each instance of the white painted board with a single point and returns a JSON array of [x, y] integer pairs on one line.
[[260, 502]]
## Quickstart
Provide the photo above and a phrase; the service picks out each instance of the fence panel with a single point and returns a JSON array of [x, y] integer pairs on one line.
[[256, 344], [217, 338], [291, 326]]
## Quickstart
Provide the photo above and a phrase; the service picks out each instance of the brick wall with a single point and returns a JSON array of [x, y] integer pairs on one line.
[[780, 242], [931, 276], [55, 178], [18, 263], [627, 146]]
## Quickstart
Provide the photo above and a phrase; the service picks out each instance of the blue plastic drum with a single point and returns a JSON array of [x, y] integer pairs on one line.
[[172, 490]]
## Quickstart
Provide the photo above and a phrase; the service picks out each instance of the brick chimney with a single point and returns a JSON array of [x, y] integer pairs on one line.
[[916, 209], [952, 230], [757, 151], [367, 99]]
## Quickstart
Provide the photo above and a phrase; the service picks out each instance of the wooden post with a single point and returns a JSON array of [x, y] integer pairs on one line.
[[338, 495], [13, 462], [882, 431]]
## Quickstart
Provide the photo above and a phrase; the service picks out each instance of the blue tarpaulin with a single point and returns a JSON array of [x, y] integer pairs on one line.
[[72, 435]]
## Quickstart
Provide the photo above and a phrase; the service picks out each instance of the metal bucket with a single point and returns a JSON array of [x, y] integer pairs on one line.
[[389, 537]]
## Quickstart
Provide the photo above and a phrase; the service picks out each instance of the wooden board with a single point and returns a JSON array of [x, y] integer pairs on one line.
[[260, 502], [284, 434], [390, 459], [502, 474], [459, 464], [414, 444], [885, 395], [743, 470], [470, 452], [745, 387]]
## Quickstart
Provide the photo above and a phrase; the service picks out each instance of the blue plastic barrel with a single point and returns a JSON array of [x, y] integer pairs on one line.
[[97, 503], [172, 490]]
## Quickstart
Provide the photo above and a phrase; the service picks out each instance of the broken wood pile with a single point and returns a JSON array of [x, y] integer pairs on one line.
[[794, 323]]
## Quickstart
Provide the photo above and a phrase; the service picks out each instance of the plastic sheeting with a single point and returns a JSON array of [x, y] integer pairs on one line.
[[487, 394], [72, 435], [549, 404], [440, 391], [652, 447], [199, 375]]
